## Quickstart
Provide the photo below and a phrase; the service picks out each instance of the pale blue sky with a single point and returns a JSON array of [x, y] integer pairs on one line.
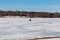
[[31, 5]]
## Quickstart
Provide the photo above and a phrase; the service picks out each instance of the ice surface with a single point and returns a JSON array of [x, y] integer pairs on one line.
[[54, 39], [22, 28]]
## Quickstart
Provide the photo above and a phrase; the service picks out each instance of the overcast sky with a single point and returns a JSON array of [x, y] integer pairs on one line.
[[31, 5]]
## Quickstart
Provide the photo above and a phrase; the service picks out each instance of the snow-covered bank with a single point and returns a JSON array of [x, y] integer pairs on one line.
[[22, 28], [13, 17]]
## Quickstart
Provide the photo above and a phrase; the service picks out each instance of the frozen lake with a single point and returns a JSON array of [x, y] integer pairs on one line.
[[54, 39], [22, 28]]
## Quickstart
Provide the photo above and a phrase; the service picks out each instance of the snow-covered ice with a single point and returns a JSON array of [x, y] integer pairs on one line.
[[54, 39], [22, 28]]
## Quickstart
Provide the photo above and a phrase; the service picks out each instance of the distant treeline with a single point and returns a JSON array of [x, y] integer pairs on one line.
[[30, 14]]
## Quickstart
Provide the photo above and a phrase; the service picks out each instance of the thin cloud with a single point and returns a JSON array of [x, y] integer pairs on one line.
[[41, 8]]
